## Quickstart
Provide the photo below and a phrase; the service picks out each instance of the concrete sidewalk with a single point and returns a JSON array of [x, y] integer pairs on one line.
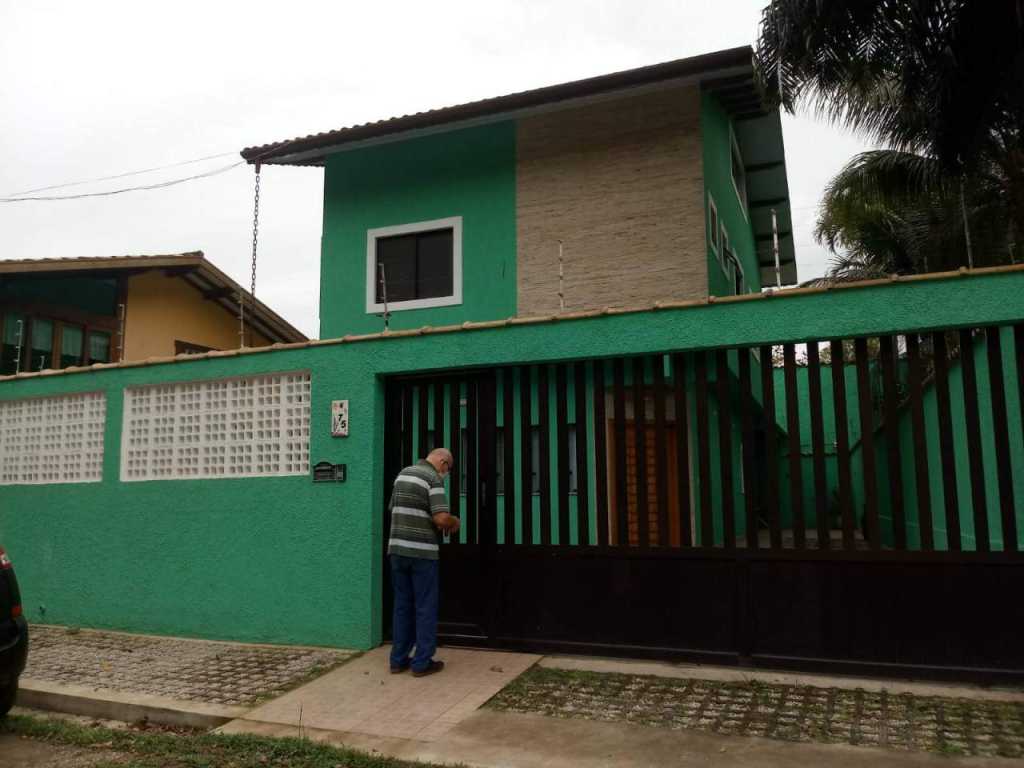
[[440, 720], [282, 691], [363, 700], [489, 739]]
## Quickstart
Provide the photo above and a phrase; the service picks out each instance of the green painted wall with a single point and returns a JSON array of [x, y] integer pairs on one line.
[[808, 496], [937, 477], [283, 560], [715, 132], [468, 173]]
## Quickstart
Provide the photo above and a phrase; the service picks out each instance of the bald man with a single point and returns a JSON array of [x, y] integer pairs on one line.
[[419, 515]]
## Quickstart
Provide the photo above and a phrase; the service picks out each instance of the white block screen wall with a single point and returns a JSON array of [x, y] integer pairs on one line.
[[251, 427], [52, 439]]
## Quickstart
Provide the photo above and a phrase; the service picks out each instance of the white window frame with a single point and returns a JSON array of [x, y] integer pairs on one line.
[[372, 235], [735, 266], [734, 149], [714, 224], [723, 253]]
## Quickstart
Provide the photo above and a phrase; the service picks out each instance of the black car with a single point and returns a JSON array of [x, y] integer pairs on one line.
[[13, 634]]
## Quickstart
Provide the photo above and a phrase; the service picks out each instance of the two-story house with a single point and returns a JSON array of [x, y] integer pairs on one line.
[[653, 184], [662, 184], [59, 313]]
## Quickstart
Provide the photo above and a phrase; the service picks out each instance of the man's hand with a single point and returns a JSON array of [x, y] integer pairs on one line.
[[447, 522]]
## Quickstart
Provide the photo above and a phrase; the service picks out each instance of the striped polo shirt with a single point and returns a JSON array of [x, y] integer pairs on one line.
[[418, 494]]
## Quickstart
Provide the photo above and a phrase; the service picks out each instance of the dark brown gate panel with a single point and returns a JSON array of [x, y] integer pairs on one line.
[[849, 504]]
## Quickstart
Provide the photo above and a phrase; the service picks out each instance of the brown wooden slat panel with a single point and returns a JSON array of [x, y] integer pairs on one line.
[[842, 442], [407, 433], [750, 491], [621, 486], [771, 445], [525, 457], [975, 460], [544, 426], [600, 454], [472, 488], [562, 452], [821, 499], [867, 443], [915, 385], [682, 448], [640, 450], [725, 447], [947, 450], [1001, 434], [582, 478], [508, 471], [392, 446], [660, 449], [422, 420], [891, 434], [455, 446], [796, 481], [437, 387], [487, 462], [707, 533]]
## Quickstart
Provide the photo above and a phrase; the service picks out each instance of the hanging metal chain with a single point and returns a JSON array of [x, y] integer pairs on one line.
[[255, 229]]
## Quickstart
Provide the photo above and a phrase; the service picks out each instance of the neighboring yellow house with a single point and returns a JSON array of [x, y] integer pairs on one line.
[[56, 313]]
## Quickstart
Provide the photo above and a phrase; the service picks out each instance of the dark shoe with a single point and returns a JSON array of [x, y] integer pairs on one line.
[[398, 670], [431, 668]]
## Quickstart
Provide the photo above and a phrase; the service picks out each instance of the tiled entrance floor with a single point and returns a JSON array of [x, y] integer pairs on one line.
[[363, 697]]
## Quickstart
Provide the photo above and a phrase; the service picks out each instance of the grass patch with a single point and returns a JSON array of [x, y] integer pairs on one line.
[[195, 750]]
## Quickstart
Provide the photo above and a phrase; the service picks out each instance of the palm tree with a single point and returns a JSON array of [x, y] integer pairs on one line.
[[938, 83]]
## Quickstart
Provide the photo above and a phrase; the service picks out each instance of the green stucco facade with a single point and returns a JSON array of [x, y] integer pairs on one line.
[[469, 173], [716, 135], [284, 560]]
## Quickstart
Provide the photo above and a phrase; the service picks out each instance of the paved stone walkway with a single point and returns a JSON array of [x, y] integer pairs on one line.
[[363, 699], [175, 668], [787, 712]]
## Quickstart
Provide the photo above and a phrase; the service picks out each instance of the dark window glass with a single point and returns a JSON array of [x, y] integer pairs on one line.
[[397, 256], [739, 174], [71, 337], [41, 356], [737, 277], [15, 327], [434, 264], [99, 347], [416, 266]]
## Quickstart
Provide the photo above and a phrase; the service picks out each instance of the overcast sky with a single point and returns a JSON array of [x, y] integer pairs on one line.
[[91, 89]]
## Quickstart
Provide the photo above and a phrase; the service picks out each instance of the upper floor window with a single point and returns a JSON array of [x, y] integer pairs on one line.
[[739, 173], [414, 266], [736, 276], [713, 226], [34, 343]]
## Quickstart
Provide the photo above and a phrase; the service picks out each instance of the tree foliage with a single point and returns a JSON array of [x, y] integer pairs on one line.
[[938, 84]]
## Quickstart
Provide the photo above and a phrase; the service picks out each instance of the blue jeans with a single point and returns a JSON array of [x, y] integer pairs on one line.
[[414, 582]]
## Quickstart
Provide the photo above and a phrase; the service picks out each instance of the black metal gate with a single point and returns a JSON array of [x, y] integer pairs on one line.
[[656, 505]]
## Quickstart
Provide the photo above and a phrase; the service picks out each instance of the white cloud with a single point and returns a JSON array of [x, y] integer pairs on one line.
[[92, 89]]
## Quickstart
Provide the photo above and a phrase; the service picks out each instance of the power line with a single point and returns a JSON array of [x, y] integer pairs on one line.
[[118, 175], [159, 185]]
